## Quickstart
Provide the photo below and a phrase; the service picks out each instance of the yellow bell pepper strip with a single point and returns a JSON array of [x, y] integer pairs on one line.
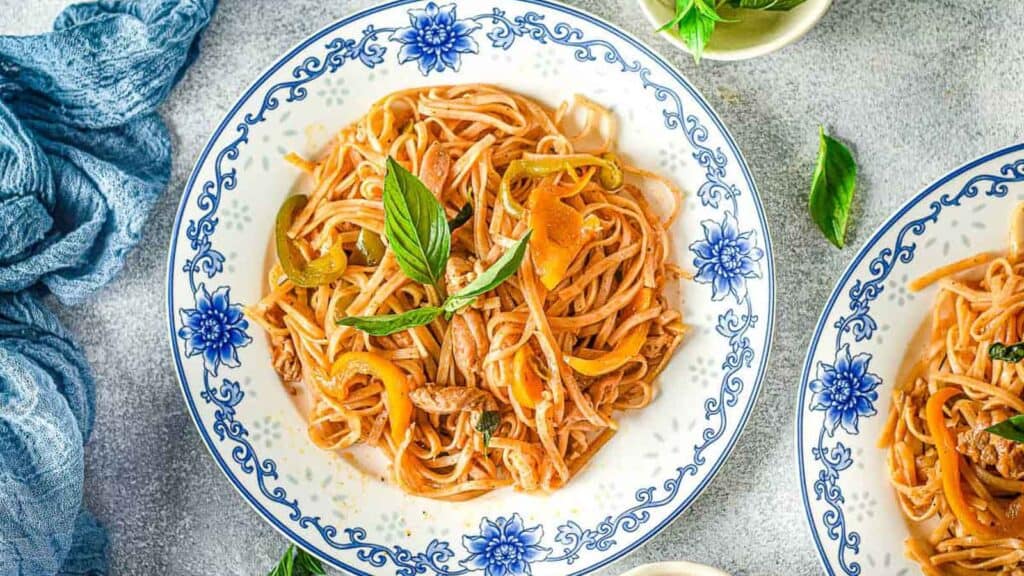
[[628, 348], [323, 270], [609, 174], [527, 388], [369, 248], [396, 385], [557, 235], [949, 464]]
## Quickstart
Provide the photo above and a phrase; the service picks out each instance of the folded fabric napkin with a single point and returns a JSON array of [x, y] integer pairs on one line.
[[83, 158]]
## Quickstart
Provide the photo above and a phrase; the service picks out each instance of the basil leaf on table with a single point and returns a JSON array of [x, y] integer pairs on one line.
[[387, 324], [832, 188], [1013, 353], [465, 213], [415, 226], [501, 270], [297, 562], [694, 22], [778, 5], [1011, 428]]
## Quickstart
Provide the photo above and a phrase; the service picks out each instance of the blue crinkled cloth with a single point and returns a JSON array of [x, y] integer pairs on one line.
[[83, 158]]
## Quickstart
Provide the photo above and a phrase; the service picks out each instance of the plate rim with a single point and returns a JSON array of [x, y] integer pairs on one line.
[[618, 32], [812, 346]]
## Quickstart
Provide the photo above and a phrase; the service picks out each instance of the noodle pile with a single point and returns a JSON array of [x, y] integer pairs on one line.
[[960, 486], [459, 140]]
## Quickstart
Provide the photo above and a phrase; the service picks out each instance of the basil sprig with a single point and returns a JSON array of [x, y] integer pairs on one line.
[[487, 424], [1011, 428], [385, 324], [297, 562], [832, 188], [490, 279], [694, 20], [413, 220], [415, 226], [1013, 353]]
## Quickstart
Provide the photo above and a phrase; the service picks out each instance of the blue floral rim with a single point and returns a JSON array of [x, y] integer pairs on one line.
[[837, 458], [229, 395]]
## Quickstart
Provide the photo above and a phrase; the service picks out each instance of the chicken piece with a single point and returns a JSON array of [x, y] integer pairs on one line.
[[452, 399], [458, 273], [286, 362], [434, 169], [469, 342], [524, 470], [981, 447]]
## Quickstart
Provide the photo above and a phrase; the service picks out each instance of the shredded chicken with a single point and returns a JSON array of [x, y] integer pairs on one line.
[[458, 273], [435, 167], [1006, 456], [286, 363], [469, 342], [452, 399]]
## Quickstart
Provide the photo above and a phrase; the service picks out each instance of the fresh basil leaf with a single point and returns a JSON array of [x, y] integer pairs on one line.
[[386, 324], [682, 7], [707, 9], [1011, 428], [487, 424], [832, 188], [1013, 353], [694, 22], [766, 4], [491, 278], [286, 564], [415, 226], [307, 565], [465, 213]]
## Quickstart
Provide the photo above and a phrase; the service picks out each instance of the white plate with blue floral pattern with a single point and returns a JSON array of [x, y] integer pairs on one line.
[[660, 460], [858, 348]]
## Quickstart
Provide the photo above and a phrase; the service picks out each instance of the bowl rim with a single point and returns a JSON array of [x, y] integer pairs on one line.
[[745, 173], [795, 31]]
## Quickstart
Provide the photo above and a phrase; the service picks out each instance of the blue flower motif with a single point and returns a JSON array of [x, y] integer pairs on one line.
[[436, 38], [214, 328], [725, 258], [845, 391], [504, 547]]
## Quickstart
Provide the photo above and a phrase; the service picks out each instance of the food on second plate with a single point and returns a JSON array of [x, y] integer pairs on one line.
[[475, 287], [955, 431]]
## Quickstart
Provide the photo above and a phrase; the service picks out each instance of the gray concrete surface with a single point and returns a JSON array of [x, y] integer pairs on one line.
[[917, 87]]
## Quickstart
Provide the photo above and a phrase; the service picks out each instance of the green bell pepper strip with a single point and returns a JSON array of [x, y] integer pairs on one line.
[[609, 174], [369, 249], [322, 270]]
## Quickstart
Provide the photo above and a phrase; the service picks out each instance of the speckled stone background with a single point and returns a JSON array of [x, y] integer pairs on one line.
[[917, 87]]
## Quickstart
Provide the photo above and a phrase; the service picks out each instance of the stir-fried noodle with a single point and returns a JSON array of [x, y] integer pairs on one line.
[[590, 293]]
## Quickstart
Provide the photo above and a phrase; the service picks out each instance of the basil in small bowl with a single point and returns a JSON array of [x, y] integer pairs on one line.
[[733, 29]]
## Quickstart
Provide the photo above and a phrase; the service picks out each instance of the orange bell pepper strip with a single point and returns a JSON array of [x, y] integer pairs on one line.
[[628, 348], [949, 463], [527, 388], [396, 385], [557, 235]]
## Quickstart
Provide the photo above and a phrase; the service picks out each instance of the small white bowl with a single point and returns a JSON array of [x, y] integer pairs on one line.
[[674, 569], [757, 32]]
